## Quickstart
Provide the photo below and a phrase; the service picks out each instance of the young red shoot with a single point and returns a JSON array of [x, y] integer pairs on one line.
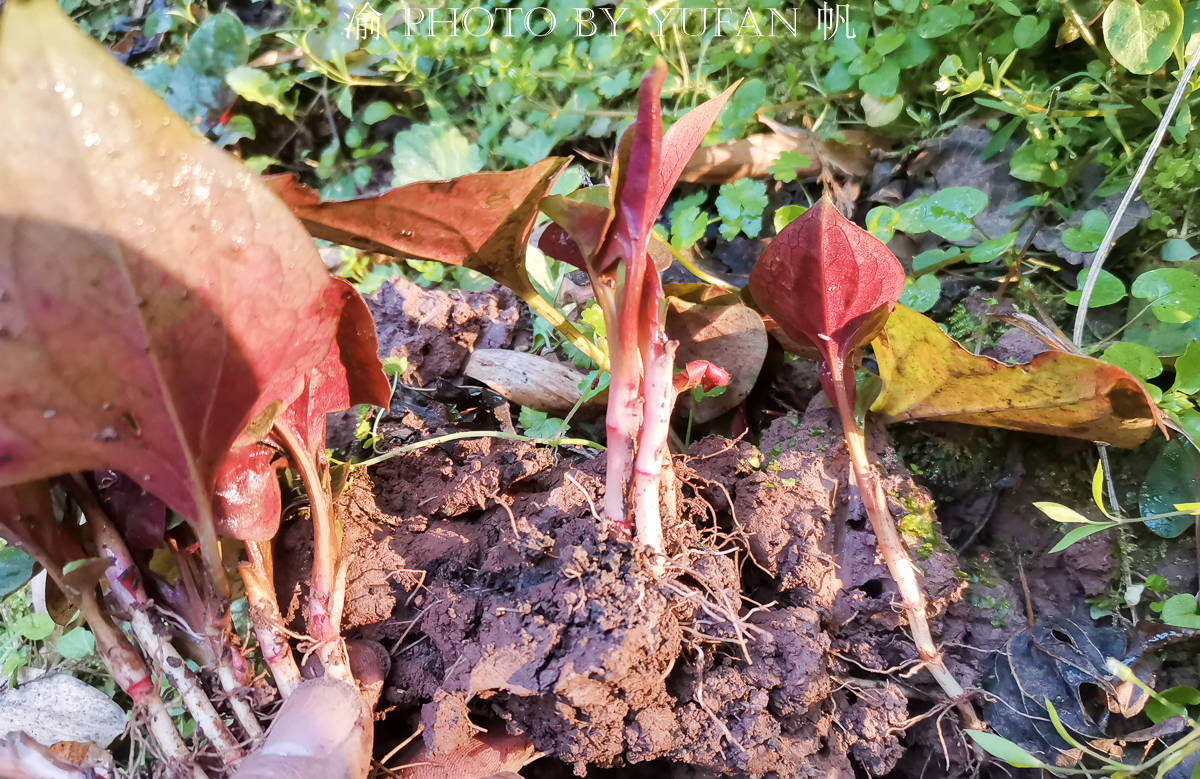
[[832, 285], [618, 250]]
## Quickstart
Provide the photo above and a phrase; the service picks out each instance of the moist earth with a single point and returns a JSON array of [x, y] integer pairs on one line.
[[768, 647]]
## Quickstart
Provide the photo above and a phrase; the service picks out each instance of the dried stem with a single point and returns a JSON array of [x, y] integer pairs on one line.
[[892, 550], [318, 612], [125, 584], [267, 619]]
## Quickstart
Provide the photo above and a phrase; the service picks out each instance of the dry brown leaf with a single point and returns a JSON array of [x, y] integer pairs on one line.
[[714, 325], [928, 375], [753, 156], [527, 379]]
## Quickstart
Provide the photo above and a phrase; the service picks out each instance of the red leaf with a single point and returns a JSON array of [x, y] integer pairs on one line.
[[827, 281], [702, 374], [649, 164], [636, 180], [480, 221], [247, 502], [155, 297]]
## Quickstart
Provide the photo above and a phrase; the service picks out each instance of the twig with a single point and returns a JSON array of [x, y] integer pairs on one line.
[[1110, 234], [444, 439]]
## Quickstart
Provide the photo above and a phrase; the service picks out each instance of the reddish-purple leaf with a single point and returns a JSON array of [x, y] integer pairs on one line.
[[480, 221], [247, 500], [827, 282], [247, 503], [154, 296], [578, 230], [681, 142]]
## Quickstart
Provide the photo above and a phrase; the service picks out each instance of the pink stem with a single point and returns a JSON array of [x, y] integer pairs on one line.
[[659, 397], [890, 546]]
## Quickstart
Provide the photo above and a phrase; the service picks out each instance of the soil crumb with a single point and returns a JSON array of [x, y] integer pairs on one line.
[[436, 331]]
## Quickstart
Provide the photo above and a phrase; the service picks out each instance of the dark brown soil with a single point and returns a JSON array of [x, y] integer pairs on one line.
[[768, 648], [436, 331]]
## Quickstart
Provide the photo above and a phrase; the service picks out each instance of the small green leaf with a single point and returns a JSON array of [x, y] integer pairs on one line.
[[931, 257], [1180, 611], [1003, 749], [881, 222], [1156, 583], [1028, 164], [157, 23], [1171, 702], [16, 568], [1029, 30], [881, 111], [1108, 290], [537, 424], [687, 226], [949, 212], [1177, 250], [433, 152], [1171, 480], [921, 294], [1174, 293], [1187, 370], [1078, 534], [257, 86], [377, 112], [1141, 37], [991, 248], [789, 162], [785, 214], [1138, 360], [1087, 237], [740, 205], [882, 82], [34, 627], [76, 644]]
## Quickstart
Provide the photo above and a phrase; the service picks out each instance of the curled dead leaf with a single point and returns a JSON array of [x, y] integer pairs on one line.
[[527, 379], [928, 375]]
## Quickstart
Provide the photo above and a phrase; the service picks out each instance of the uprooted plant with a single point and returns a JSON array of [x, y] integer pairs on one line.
[[170, 340]]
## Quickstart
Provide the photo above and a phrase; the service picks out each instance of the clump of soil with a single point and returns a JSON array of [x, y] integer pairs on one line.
[[768, 647], [436, 331]]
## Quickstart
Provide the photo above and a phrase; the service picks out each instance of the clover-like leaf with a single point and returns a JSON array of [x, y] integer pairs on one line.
[[1141, 36]]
